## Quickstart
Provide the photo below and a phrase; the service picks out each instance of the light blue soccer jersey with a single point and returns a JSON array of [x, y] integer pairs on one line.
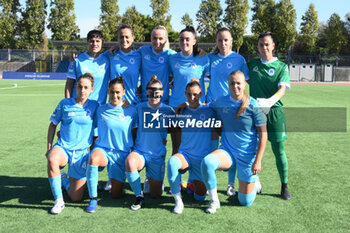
[[77, 122], [127, 65], [98, 67], [153, 63], [220, 69], [239, 135], [195, 140], [150, 137], [184, 69], [114, 127]]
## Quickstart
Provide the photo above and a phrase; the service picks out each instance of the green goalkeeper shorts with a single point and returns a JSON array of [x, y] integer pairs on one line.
[[276, 125]]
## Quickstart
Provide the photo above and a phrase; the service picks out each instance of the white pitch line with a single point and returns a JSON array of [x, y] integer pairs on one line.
[[42, 85], [30, 95]]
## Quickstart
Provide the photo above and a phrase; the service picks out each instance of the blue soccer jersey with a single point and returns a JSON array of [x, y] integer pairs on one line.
[[154, 64], [220, 69], [77, 122], [196, 135], [184, 69], [98, 67], [127, 65], [114, 127], [151, 134], [239, 135]]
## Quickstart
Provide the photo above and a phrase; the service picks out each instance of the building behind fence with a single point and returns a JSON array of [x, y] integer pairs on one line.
[[58, 61]]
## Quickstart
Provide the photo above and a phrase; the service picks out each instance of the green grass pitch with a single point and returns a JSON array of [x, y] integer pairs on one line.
[[318, 177]]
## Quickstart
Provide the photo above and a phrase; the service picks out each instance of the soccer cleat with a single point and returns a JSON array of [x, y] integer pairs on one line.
[[138, 203], [285, 192], [146, 186], [213, 206], [92, 206], [230, 189], [108, 185], [179, 207], [258, 186], [58, 206]]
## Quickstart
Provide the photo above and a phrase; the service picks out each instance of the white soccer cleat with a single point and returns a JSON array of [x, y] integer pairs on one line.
[[230, 189], [179, 207], [146, 186], [108, 185], [58, 206], [213, 206], [258, 186]]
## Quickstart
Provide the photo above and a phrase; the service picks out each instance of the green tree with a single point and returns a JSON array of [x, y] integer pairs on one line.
[[186, 20], [285, 25], [9, 23], [209, 19], [161, 14], [62, 20], [109, 19], [236, 20], [135, 19], [309, 28], [263, 18], [33, 23], [335, 34]]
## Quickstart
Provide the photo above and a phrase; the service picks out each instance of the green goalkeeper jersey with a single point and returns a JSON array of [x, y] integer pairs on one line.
[[266, 77]]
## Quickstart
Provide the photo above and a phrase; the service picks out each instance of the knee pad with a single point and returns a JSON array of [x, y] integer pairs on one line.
[[199, 198]]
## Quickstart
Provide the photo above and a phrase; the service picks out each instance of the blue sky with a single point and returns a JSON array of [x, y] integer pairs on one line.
[[88, 11]]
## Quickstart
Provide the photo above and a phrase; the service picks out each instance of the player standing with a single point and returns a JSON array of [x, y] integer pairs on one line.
[[269, 79], [126, 63], [76, 117], [222, 62], [90, 62]]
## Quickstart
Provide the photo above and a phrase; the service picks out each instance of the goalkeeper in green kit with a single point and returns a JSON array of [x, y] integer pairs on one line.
[[269, 79]]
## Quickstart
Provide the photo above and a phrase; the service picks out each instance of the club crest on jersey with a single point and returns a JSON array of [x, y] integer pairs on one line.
[[102, 68], [202, 117], [193, 65], [229, 65], [147, 57], [132, 61], [271, 72], [256, 69], [122, 117], [177, 65], [161, 59]]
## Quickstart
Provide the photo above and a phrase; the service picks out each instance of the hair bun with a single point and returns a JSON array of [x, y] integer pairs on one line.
[[154, 77], [195, 80]]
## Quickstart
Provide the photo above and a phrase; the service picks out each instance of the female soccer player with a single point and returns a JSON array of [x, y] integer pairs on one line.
[[115, 140], [93, 62], [150, 143], [195, 144], [155, 61], [269, 79], [126, 63], [242, 143], [222, 62], [186, 65], [76, 116]]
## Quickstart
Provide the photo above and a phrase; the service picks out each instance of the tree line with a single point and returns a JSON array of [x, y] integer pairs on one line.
[[24, 26]]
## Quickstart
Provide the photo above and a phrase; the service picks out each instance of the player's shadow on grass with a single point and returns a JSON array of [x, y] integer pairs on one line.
[[31, 192]]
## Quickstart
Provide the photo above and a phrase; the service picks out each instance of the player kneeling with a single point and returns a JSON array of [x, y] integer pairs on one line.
[[242, 143], [76, 117]]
